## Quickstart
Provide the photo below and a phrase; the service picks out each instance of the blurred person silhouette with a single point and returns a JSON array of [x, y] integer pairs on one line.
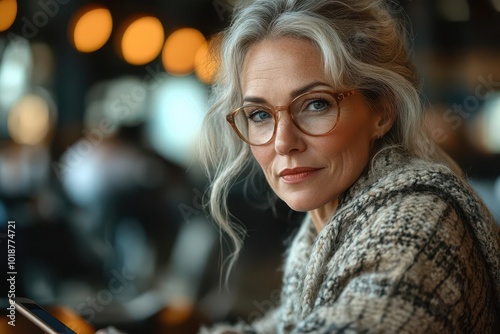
[[128, 220], [133, 208], [322, 99]]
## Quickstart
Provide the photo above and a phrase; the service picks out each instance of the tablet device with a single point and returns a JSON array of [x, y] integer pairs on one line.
[[40, 317]]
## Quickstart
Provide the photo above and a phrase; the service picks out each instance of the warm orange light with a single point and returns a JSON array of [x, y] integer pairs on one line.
[[179, 312], [142, 40], [91, 28], [29, 120], [71, 319], [205, 64], [180, 50], [8, 8]]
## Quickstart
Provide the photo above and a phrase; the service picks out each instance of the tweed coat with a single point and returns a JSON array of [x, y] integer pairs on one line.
[[410, 249]]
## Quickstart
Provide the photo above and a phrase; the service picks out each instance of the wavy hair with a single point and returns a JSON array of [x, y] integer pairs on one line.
[[363, 47]]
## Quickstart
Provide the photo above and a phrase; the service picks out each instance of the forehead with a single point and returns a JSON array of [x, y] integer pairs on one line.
[[280, 65]]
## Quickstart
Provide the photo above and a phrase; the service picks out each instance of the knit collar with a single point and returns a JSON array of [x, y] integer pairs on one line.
[[386, 160]]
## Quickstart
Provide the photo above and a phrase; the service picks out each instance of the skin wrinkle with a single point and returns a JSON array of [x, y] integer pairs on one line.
[[276, 69]]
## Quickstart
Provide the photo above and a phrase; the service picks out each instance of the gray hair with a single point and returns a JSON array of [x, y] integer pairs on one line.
[[363, 47]]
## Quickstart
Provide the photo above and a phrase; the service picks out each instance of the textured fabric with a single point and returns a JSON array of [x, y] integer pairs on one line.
[[410, 249]]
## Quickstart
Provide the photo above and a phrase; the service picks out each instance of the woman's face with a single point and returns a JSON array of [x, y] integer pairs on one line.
[[308, 173]]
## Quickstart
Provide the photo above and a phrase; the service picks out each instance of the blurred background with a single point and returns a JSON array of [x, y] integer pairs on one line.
[[100, 102]]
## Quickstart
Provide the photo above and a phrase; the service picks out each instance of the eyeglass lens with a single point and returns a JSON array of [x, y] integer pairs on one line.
[[315, 113]]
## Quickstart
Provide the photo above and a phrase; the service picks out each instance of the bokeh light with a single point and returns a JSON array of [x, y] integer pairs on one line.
[[142, 40], [113, 104], [91, 28], [16, 65], [29, 120], [180, 51], [178, 107], [8, 10], [492, 124], [205, 64]]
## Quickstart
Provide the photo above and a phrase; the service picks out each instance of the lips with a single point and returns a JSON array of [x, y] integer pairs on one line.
[[296, 175], [298, 170]]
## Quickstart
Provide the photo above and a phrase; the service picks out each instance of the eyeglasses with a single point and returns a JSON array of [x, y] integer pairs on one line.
[[314, 113]]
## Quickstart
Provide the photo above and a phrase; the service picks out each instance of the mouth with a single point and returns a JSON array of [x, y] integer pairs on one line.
[[297, 175]]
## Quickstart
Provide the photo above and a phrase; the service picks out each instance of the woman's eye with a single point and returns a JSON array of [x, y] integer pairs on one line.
[[317, 105], [259, 116]]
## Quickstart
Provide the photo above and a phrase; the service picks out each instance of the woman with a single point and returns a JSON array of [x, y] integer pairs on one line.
[[321, 96]]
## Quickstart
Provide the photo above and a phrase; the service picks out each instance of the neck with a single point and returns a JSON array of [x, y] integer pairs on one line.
[[320, 216]]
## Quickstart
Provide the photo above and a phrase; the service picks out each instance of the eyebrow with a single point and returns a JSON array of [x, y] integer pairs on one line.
[[293, 94]]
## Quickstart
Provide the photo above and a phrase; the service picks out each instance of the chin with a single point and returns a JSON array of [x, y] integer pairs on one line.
[[300, 205], [306, 201]]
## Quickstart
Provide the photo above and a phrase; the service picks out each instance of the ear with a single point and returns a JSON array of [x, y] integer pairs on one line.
[[384, 121]]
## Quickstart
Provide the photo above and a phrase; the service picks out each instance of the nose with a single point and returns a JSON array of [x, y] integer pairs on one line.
[[288, 137]]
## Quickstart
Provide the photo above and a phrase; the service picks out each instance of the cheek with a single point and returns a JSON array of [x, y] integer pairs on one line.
[[263, 157], [352, 140], [349, 146], [355, 129]]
